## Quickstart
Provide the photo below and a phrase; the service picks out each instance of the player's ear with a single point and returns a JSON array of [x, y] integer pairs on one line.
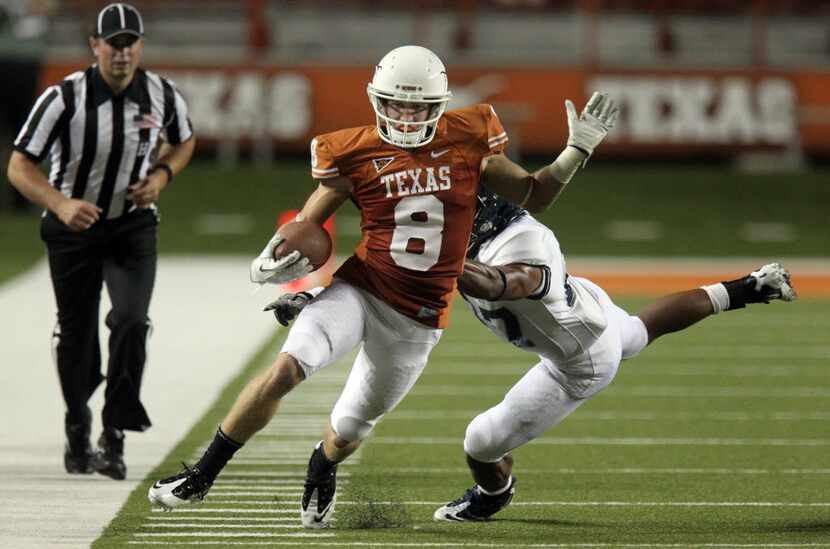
[[93, 42]]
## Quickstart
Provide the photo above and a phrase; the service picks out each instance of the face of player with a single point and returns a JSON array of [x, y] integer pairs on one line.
[[404, 112], [118, 57]]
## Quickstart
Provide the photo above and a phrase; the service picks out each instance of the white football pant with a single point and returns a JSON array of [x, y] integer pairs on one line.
[[549, 392], [394, 352]]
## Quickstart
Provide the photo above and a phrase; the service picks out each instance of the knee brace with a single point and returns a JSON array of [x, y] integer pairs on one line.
[[349, 427], [480, 442]]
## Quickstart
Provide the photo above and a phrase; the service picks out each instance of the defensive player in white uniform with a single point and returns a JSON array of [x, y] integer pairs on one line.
[[516, 283]]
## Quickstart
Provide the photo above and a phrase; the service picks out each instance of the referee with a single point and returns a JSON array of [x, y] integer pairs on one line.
[[100, 129]]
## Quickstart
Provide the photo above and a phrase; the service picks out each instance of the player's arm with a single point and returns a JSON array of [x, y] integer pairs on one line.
[[538, 190], [25, 176], [326, 199], [504, 282]]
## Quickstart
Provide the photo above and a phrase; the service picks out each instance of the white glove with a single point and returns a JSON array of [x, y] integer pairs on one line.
[[587, 130], [265, 268]]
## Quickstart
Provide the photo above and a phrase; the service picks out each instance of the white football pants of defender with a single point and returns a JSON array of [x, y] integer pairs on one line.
[[394, 353], [549, 392]]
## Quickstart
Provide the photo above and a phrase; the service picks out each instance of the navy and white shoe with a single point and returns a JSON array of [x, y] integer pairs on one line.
[[320, 490], [184, 488], [772, 281], [475, 505]]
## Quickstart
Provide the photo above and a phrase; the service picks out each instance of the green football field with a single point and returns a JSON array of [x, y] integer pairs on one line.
[[716, 437]]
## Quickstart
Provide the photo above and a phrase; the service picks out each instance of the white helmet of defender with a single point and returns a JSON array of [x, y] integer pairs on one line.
[[409, 74]]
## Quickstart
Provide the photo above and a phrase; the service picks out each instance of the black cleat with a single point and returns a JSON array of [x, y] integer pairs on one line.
[[319, 491], [475, 505], [108, 459], [77, 455]]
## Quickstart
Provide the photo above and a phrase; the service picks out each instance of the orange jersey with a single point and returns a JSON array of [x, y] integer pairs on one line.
[[417, 207]]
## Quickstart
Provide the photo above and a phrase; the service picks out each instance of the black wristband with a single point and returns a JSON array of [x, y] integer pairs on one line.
[[163, 167], [583, 151]]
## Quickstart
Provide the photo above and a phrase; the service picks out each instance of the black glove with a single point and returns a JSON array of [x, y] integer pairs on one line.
[[288, 306]]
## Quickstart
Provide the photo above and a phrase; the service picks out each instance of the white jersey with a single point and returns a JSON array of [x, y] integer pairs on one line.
[[562, 322]]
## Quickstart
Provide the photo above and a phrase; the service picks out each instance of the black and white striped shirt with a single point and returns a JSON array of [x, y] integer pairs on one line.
[[100, 143]]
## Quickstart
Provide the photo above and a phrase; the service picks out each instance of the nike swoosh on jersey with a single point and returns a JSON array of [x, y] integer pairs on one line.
[[436, 154]]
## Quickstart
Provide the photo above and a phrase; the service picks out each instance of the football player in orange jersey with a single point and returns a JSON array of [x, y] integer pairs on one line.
[[415, 175]]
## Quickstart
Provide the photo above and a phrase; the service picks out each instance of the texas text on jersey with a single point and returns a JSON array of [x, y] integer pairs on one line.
[[417, 207]]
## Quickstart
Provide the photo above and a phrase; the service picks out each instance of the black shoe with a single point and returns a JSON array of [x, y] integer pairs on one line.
[[189, 486], [77, 455], [319, 491], [108, 459], [475, 505]]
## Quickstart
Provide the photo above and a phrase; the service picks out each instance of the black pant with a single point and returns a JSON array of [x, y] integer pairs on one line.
[[121, 252]]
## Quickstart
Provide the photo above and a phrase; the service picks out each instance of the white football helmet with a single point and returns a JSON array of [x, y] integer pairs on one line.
[[409, 74]]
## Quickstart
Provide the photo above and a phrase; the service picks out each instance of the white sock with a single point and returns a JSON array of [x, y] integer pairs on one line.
[[718, 296], [500, 491]]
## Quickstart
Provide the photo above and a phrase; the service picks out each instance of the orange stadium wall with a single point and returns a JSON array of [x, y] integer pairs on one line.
[[664, 112]]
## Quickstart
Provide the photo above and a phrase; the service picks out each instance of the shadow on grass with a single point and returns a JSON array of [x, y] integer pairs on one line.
[[547, 522]]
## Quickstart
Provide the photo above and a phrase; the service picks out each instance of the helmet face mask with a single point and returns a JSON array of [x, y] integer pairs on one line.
[[410, 83]]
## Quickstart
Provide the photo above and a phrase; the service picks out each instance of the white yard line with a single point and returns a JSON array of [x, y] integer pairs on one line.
[[587, 415], [307, 543], [229, 510], [774, 504], [190, 362], [229, 535], [672, 391], [174, 517], [225, 526], [226, 475], [624, 441], [611, 471]]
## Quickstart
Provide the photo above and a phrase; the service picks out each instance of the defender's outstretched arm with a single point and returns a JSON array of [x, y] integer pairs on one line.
[[503, 282]]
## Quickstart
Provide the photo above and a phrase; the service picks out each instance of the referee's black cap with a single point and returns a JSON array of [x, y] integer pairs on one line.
[[119, 18]]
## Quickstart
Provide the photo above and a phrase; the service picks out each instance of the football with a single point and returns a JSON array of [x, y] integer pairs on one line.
[[309, 238]]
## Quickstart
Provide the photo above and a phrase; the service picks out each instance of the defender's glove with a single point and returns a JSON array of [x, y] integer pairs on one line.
[[288, 306], [265, 268], [587, 130]]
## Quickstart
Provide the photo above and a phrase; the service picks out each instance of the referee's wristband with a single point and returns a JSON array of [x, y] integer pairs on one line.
[[163, 167]]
